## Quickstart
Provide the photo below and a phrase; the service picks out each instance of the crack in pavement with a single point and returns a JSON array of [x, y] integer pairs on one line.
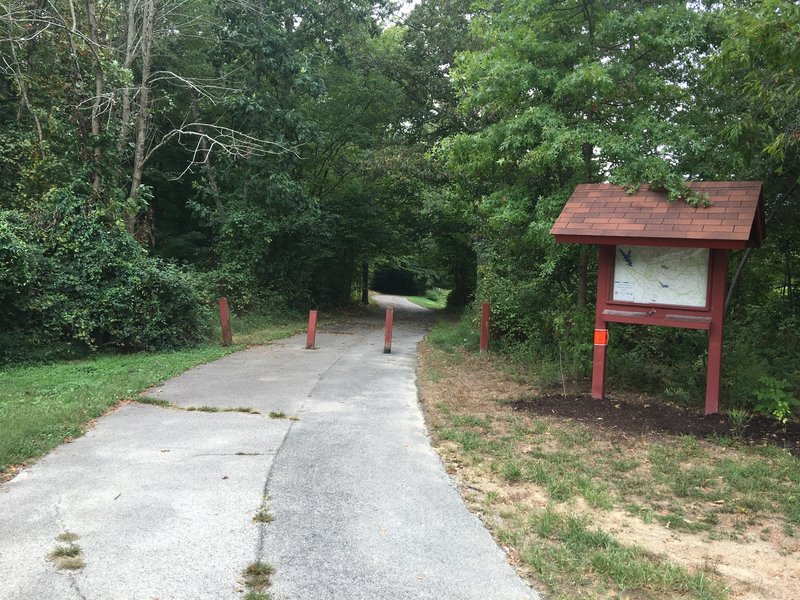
[[301, 409], [361, 338], [59, 519], [265, 493]]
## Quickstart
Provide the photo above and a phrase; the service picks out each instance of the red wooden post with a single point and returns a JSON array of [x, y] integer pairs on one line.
[[719, 272], [599, 362], [225, 321], [387, 337], [311, 336], [605, 266], [484, 327]]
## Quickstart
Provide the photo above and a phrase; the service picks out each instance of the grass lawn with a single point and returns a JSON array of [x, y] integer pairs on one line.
[[435, 299], [43, 405], [590, 512]]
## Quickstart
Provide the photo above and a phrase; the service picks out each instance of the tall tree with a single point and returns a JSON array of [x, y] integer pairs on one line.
[[756, 82], [565, 92]]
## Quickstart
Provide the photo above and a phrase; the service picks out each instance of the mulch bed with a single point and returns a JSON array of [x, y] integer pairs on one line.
[[638, 418]]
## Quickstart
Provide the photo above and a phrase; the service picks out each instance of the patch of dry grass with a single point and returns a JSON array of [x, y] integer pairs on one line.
[[652, 516], [67, 555]]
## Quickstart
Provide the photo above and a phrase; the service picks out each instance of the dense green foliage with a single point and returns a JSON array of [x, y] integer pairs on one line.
[[572, 91], [72, 277], [156, 154]]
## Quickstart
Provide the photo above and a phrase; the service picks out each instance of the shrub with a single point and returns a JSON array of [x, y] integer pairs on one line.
[[19, 258], [20, 261], [94, 286], [437, 295], [659, 360], [236, 285], [775, 399]]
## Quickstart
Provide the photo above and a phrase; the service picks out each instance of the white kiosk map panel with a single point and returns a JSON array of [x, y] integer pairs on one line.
[[656, 275]]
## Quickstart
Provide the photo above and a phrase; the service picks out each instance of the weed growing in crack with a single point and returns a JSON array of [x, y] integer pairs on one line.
[[257, 580], [154, 401], [263, 516], [72, 563], [205, 408], [68, 536], [70, 551], [277, 415], [243, 409], [67, 556]]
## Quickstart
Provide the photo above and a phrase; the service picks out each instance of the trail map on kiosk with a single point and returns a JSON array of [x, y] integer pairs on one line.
[[655, 275]]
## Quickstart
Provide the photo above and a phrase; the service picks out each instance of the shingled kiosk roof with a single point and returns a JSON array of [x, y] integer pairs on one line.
[[602, 213]]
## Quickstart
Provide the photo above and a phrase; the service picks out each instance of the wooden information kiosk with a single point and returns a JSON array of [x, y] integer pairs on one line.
[[663, 263]]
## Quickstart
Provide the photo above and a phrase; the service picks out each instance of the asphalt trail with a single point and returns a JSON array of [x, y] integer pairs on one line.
[[163, 499]]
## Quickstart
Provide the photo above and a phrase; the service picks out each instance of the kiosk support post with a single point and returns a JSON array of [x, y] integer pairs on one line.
[[600, 324], [719, 272]]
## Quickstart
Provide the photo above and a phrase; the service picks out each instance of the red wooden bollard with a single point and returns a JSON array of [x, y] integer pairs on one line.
[[387, 338], [225, 321], [311, 336], [484, 327], [599, 360]]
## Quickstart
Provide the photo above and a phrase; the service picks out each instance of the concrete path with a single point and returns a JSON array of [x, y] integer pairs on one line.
[[163, 499]]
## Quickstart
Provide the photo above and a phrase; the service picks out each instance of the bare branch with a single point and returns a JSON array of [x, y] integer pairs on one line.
[[202, 87], [224, 139], [22, 86]]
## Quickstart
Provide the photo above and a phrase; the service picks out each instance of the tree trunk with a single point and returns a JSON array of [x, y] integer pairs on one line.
[[583, 261], [22, 88], [583, 276], [735, 280], [143, 116], [365, 282], [209, 168], [98, 92], [587, 151], [746, 255], [130, 42]]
